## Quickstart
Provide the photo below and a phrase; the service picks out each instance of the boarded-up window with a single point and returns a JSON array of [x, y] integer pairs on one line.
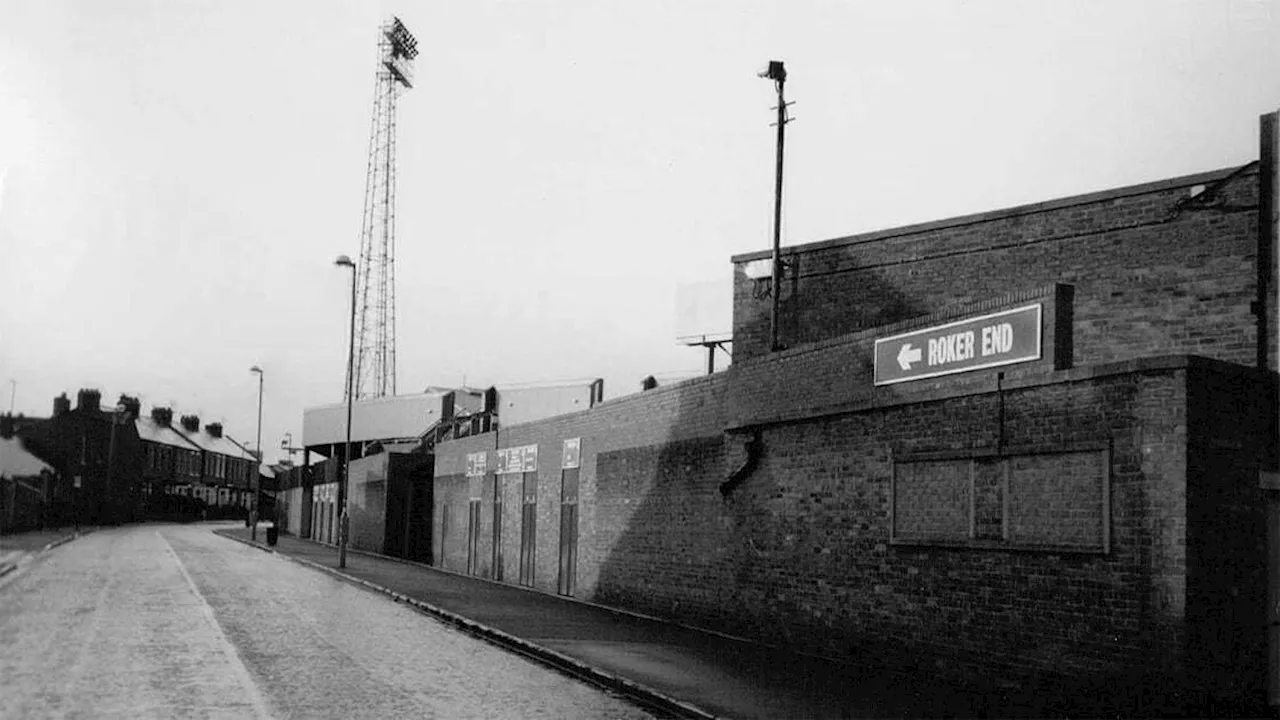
[[1029, 500], [931, 500], [1057, 499]]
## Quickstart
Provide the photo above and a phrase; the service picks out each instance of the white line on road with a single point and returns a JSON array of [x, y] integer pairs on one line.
[[228, 650]]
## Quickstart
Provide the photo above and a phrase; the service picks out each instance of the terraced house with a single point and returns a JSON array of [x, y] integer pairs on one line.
[[171, 460], [226, 469]]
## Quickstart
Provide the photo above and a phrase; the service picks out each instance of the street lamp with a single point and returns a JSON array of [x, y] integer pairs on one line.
[[253, 530], [343, 520], [777, 72], [111, 453]]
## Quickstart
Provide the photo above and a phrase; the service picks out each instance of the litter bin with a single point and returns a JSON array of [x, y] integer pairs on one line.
[[273, 534]]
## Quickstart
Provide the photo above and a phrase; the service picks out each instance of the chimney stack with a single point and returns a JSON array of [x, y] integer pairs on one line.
[[61, 404], [88, 399], [131, 405], [214, 429], [162, 415], [191, 423]]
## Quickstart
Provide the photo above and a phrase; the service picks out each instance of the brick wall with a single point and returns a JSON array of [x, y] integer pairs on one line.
[[367, 503], [814, 564], [1231, 436], [1063, 550], [1156, 271], [837, 374], [689, 411], [1045, 523]]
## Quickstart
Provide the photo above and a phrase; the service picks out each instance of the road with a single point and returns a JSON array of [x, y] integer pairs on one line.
[[174, 621]]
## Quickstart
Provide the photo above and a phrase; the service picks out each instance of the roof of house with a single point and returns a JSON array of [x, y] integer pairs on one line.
[[241, 448], [16, 462], [152, 431], [219, 445], [222, 445]]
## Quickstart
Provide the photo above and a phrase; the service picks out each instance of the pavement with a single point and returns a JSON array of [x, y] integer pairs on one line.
[[17, 549], [671, 669]]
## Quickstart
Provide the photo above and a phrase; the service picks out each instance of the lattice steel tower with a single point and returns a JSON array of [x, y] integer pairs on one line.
[[375, 361]]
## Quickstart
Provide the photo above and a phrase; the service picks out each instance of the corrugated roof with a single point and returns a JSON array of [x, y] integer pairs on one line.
[[152, 431], [16, 462]]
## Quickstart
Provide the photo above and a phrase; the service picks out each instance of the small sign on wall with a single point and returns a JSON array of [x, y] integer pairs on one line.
[[572, 456], [518, 459], [476, 463]]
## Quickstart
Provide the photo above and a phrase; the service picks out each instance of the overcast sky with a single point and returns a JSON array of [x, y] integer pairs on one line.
[[177, 177]]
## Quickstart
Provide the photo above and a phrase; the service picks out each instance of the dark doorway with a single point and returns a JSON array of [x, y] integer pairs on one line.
[[497, 527], [445, 511], [568, 583], [473, 538], [529, 529], [399, 492], [418, 524]]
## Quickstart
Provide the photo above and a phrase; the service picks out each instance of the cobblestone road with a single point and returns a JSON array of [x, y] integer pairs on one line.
[[173, 621]]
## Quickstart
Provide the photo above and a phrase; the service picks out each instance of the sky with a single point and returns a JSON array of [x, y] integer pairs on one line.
[[177, 176]]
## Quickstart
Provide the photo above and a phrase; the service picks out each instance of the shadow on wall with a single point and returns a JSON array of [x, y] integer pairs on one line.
[[740, 532], [799, 551], [679, 539], [808, 312]]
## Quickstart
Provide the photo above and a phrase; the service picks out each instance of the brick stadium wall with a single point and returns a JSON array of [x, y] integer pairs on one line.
[[649, 422], [367, 504], [914, 526], [325, 513], [838, 374], [816, 562], [1232, 431], [451, 497], [289, 510], [1155, 271]]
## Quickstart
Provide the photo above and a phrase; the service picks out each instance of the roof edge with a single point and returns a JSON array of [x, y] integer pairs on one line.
[[1014, 211]]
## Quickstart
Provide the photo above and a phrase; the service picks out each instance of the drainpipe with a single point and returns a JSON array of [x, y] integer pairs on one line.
[[753, 447], [1268, 219]]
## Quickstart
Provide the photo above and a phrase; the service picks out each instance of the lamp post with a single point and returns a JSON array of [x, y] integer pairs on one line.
[[257, 492], [111, 453], [777, 72], [343, 520]]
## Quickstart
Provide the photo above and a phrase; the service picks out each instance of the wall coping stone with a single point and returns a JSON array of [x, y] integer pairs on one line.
[[679, 386]]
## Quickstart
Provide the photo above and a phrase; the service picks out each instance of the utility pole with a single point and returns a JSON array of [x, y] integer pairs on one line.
[[13, 392], [344, 261], [778, 74], [255, 513], [111, 462], [287, 445]]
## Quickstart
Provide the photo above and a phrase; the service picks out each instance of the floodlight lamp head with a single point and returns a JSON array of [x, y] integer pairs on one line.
[[344, 261], [776, 71], [403, 42], [255, 369]]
